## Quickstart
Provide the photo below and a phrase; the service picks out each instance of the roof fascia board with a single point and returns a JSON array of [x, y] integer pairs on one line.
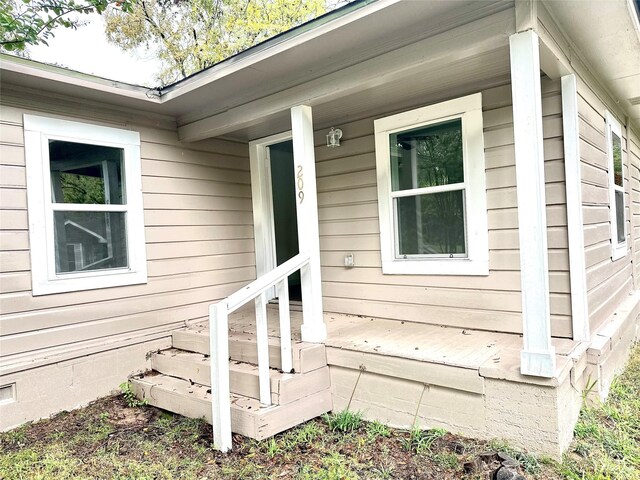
[[70, 77], [487, 34], [634, 13], [67, 106], [269, 49]]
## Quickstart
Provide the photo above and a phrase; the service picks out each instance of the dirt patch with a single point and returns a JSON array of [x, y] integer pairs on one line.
[[108, 439]]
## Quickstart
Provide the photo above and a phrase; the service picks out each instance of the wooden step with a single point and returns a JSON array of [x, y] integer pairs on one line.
[[242, 348], [248, 418], [243, 377]]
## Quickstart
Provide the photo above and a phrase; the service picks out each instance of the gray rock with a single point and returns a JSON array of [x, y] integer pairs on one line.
[[503, 473], [508, 461]]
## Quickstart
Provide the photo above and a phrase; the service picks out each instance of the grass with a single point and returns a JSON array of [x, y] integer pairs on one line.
[[420, 441], [607, 435], [344, 421], [112, 440]]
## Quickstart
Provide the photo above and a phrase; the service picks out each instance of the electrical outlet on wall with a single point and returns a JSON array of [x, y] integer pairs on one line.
[[348, 260]]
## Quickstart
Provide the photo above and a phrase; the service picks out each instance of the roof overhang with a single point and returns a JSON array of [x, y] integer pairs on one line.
[[605, 37], [390, 53]]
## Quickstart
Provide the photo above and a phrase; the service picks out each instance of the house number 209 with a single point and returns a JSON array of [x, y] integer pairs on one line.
[[300, 184]]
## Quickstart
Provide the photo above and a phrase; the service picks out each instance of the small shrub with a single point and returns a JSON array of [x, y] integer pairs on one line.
[[344, 421], [130, 397]]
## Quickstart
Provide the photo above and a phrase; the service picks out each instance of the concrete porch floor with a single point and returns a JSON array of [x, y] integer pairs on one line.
[[492, 354], [466, 381]]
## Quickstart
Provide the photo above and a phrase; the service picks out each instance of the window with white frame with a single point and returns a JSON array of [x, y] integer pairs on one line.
[[431, 190], [85, 206], [616, 188]]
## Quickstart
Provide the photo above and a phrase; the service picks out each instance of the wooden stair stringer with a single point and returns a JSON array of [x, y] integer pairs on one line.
[[248, 418], [243, 377], [242, 348]]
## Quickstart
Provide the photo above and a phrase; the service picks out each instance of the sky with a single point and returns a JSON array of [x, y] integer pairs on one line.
[[87, 50]]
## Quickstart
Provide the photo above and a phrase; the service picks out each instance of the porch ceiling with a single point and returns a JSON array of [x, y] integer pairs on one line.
[[405, 54], [434, 83], [608, 33]]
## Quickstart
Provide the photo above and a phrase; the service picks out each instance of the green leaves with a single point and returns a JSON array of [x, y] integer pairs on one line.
[[190, 35], [31, 22]]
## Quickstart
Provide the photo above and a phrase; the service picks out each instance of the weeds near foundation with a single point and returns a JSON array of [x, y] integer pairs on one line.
[[421, 441], [607, 435], [588, 388], [377, 430], [130, 397], [344, 421], [273, 448], [109, 440], [446, 460], [530, 463]]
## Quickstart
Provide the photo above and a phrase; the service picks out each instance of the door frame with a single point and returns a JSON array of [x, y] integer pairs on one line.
[[262, 201]]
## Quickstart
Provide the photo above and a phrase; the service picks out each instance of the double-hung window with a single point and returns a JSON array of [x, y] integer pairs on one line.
[[431, 190], [85, 206], [616, 188]]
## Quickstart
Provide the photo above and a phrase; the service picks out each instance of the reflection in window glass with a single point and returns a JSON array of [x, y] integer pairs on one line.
[[620, 215], [616, 145], [89, 241], [427, 156], [431, 224], [86, 174]]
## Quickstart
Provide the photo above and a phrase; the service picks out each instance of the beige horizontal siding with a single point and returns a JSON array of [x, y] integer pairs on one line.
[[199, 232], [348, 213], [633, 144], [608, 282]]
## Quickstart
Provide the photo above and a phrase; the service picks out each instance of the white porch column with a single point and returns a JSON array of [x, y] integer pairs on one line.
[[575, 229], [313, 328], [537, 356]]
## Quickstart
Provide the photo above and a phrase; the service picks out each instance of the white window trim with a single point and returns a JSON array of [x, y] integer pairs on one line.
[[44, 279], [618, 250], [469, 110]]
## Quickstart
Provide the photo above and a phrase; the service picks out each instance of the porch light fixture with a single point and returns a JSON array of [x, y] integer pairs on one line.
[[333, 137]]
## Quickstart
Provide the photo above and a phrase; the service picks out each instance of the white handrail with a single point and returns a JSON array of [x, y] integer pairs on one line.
[[265, 282], [219, 342]]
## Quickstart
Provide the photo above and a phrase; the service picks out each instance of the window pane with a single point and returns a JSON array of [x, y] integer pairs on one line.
[[82, 173], [427, 156], [620, 215], [431, 224], [616, 146], [90, 241]]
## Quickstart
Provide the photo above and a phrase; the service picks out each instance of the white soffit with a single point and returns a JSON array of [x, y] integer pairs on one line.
[[608, 37]]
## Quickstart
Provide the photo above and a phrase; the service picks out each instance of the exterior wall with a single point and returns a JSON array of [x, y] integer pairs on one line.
[[199, 245], [608, 282], [348, 214], [633, 152]]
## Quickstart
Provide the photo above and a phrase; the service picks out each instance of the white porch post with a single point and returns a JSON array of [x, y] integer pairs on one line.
[[537, 356], [573, 187], [313, 328]]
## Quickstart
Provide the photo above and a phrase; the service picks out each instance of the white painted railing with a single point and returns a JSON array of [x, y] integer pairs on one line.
[[219, 341]]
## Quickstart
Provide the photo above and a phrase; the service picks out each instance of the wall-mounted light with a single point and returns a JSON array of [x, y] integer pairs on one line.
[[333, 137]]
